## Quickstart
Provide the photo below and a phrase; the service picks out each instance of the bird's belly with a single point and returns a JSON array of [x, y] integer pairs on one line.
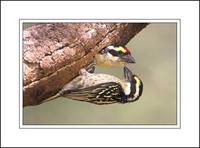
[[99, 79]]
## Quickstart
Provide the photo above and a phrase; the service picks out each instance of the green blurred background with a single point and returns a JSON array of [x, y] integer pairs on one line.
[[154, 49]]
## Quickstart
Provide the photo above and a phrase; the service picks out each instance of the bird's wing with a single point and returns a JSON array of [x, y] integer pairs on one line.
[[106, 93]]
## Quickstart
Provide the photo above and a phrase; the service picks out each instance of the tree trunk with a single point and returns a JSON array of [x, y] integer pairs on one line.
[[54, 53]]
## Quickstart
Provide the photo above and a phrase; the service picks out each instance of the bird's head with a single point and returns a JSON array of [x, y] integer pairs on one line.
[[136, 87], [114, 56]]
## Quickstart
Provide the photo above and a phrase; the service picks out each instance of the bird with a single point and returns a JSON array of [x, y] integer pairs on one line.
[[102, 88], [111, 56], [116, 56]]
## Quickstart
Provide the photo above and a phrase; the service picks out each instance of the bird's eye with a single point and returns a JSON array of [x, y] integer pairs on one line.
[[105, 50], [102, 51]]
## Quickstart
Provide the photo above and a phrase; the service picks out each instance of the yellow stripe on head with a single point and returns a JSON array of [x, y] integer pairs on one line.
[[120, 48], [137, 81]]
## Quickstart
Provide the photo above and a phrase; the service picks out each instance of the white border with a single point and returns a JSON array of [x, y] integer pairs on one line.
[[178, 107]]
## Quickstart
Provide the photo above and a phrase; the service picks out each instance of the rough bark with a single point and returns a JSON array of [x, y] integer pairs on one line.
[[54, 53]]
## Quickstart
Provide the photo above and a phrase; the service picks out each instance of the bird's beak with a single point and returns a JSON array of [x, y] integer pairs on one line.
[[128, 58], [127, 74]]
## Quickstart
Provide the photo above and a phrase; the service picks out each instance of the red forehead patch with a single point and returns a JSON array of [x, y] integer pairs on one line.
[[126, 49]]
